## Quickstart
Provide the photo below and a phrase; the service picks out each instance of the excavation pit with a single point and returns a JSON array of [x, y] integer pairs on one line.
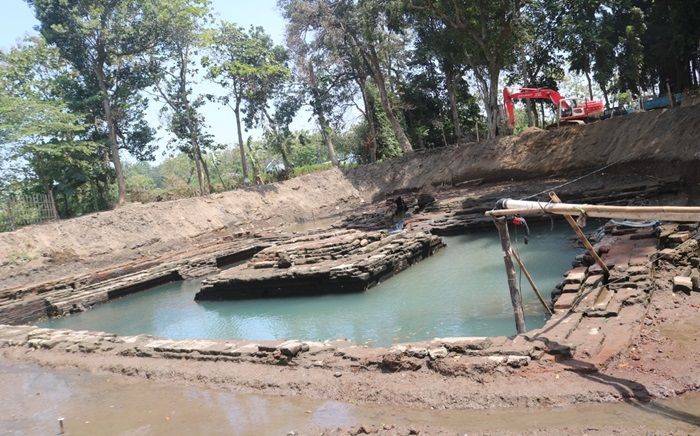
[[459, 291]]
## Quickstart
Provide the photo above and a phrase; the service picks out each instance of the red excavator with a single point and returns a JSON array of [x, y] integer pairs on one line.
[[569, 110]]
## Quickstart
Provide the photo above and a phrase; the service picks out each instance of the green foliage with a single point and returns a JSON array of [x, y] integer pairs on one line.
[[311, 168], [48, 146]]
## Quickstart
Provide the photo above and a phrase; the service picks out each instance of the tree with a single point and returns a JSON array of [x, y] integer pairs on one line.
[[438, 44], [326, 82], [364, 35], [45, 141], [286, 103], [107, 42], [176, 78], [247, 65], [493, 30]]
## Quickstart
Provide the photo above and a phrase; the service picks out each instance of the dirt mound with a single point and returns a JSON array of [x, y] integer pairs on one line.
[[661, 138]]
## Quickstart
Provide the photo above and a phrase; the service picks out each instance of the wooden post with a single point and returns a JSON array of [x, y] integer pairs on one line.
[[531, 281], [52, 205], [11, 213], [582, 237], [515, 297], [476, 124], [670, 95]]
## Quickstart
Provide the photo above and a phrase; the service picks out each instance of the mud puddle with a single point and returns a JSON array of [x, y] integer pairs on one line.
[[100, 404]]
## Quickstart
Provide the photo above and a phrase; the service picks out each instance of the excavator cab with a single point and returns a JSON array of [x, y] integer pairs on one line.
[[568, 109]]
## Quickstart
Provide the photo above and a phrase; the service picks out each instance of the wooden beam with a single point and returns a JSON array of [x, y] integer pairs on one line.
[[582, 237], [516, 299], [662, 213], [531, 281]]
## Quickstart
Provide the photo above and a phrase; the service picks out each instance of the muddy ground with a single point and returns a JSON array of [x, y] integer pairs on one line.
[[662, 363], [107, 404]]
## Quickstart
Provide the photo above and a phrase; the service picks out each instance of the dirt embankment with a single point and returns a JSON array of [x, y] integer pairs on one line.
[[664, 139]]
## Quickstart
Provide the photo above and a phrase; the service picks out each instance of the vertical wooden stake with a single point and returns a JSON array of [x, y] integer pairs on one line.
[[670, 95], [515, 297], [582, 237], [476, 124]]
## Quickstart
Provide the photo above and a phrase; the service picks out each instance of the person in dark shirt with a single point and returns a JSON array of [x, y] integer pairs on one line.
[[399, 215]]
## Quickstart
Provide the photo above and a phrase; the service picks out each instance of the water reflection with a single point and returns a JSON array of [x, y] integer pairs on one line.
[[461, 291]]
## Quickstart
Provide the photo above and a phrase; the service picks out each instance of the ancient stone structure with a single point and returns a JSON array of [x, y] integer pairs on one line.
[[594, 320], [79, 293], [333, 262]]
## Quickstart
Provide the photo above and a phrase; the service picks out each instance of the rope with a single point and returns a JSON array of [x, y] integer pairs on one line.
[[554, 188]]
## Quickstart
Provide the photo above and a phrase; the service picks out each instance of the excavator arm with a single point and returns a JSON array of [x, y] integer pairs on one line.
[[532, 94]]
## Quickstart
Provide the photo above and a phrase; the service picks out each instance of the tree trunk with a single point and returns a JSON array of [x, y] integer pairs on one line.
[[207, 178], [533, 110], [113, 146], [369, 116], [322, 121], [489, 94], [198, 167], [254, 163], [404, 143], [531, 117], [542, 111], [244, 163], [285, 156], [590, 85], [451, 79], [526, 77], [326, 134], [605, 96], [282, 142]]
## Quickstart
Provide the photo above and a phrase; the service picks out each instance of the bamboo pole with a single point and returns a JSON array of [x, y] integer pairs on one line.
[[516, 299], [665, 213], [531, 281], [582, 237]]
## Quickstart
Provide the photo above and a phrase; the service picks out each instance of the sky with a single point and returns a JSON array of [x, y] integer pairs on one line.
[[18, 20]]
